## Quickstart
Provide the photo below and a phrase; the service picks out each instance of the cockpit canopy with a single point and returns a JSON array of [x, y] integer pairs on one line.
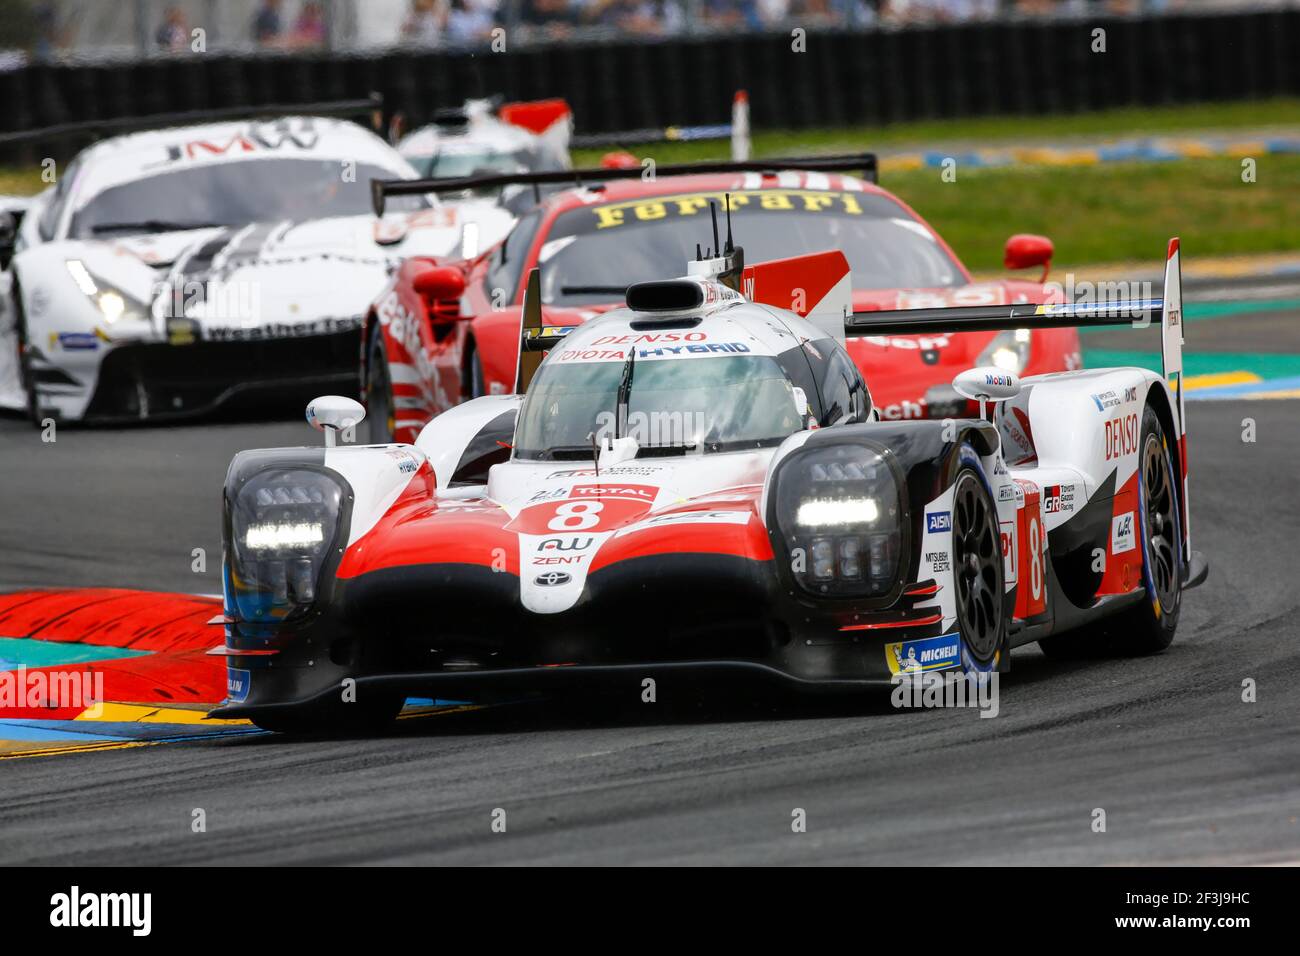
[[692, 387]]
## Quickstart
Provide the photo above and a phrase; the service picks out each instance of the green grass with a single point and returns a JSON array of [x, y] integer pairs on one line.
[[1112, 212], [21, 182], [1094, 214], [990, 131]]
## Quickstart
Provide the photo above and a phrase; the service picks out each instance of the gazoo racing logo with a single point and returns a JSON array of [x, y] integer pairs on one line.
[[938, 521], [1058, 498], [1121, 436]]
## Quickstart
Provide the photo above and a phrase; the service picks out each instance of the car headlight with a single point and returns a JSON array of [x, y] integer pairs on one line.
[[839, 515], [113, 304], [1008, 350], [283, 526]]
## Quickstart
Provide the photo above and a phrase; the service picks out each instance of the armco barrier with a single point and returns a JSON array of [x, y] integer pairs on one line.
[[876, 76]]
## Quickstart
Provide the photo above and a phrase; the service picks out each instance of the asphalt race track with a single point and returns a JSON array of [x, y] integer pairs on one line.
[[1185, 770]]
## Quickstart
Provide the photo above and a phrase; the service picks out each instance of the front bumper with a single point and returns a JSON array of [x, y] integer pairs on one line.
[[458, 632], [156, 381]]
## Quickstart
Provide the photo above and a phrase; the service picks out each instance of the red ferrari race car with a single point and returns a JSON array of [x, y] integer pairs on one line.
[[445, 331]]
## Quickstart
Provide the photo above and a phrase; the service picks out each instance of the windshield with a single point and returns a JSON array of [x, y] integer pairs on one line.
[[234, 194], [675, 405], [459, 162], [593, 250]]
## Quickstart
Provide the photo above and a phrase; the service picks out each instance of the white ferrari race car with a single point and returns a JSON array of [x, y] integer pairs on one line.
[[171, 271], [698, 487]]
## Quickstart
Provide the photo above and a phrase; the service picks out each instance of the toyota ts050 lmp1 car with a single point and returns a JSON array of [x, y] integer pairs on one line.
[[170, 270], [698, 486], [444, 331]]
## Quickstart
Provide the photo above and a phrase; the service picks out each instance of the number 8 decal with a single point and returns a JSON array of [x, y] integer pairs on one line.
[[576, 516], [1035, 560]]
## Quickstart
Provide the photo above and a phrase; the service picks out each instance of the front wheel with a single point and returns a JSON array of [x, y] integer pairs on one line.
[[381, 416], [978, 572]]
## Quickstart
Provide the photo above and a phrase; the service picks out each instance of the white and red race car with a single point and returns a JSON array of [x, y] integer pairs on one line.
[[698, 486], [485, 137], [172, 270]]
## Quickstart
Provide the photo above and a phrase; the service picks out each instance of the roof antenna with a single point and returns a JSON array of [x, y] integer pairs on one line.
[[699, 253], [730, 246], [713, 208]]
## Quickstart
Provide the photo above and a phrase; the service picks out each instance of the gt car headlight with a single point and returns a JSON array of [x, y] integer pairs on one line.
[[1008, 350], [283, 524], [839, 515], [113, 304]]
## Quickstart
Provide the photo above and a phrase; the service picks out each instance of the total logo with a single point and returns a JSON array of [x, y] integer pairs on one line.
[[1058, 498], [638, 492]]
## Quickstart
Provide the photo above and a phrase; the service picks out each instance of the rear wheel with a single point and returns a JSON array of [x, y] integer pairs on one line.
[[1147, 627], [381, 415], [978, 571]]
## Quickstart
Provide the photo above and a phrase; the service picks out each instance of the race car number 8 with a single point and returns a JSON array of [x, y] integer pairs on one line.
[[1035, 560], [576, 516]]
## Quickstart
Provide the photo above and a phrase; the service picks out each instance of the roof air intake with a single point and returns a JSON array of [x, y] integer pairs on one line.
[[670, 295]]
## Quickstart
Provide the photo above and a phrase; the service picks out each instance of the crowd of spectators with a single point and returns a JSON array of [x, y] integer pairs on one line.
[[433, 22], [51, 26]]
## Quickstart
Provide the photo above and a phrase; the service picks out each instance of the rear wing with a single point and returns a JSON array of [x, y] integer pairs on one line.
[[371, 107], [737, 131], [863, 164]]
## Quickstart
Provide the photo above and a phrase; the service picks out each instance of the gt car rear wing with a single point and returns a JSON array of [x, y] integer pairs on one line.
[[737, 131], [864, 164], [371, 106]]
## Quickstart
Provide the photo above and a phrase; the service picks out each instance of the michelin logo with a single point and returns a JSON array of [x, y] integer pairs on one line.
[[237, 682], [930, 654]]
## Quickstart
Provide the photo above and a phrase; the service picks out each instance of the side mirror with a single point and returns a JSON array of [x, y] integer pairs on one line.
[[987, 383], [800, 401], [1025, 251], [332, 414], [441, 288]]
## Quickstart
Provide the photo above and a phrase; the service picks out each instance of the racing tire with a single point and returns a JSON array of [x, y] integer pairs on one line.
[[978, 572], [477, 385], [25, 374], [381, 412], [336, 718], [1148, 627]]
